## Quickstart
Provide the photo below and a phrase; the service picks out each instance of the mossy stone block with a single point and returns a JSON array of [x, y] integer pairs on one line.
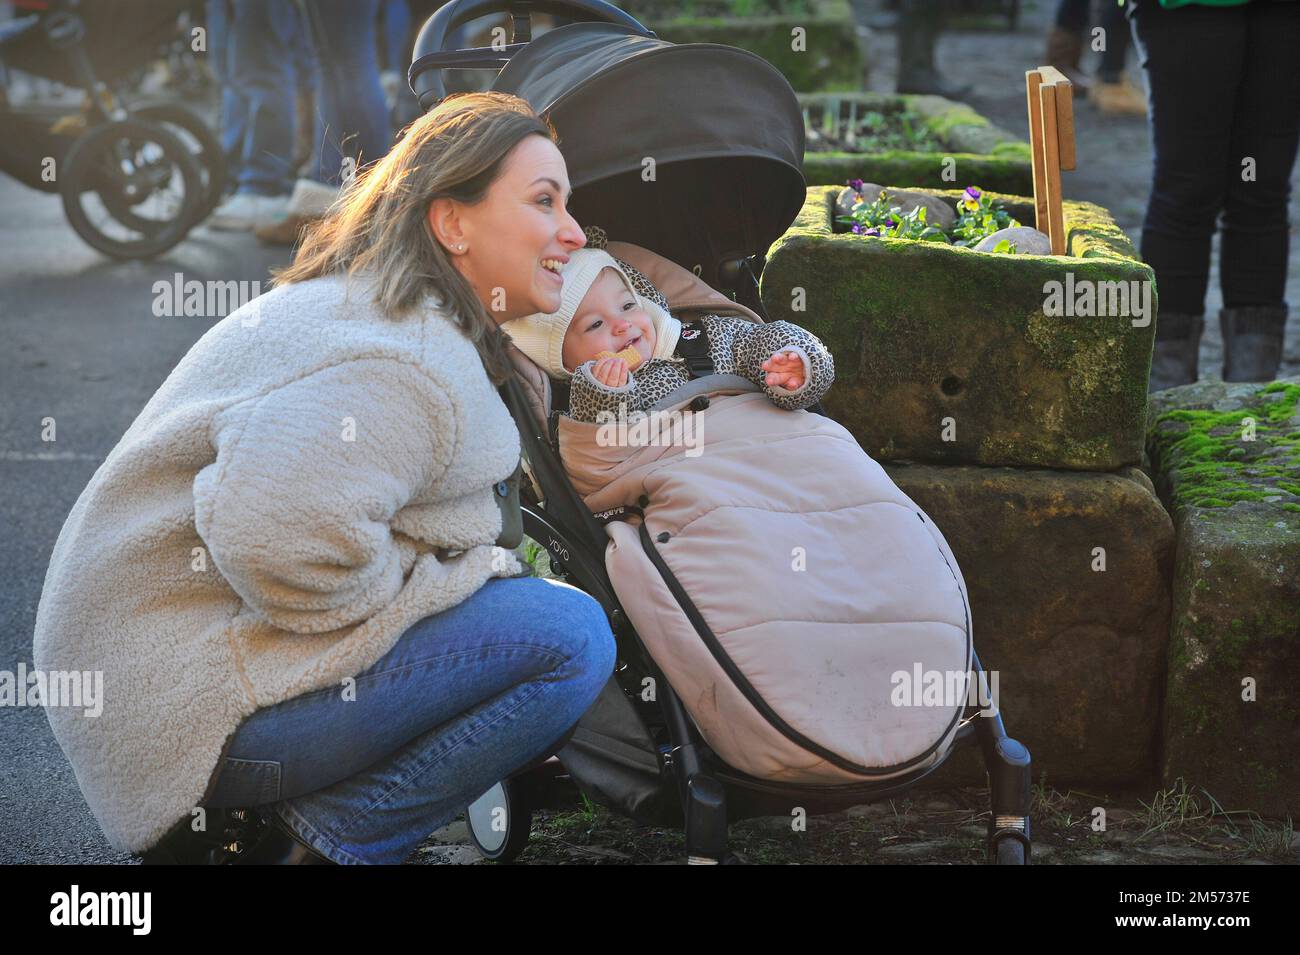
[[1068, 577], [946, 355], [1226, 459]]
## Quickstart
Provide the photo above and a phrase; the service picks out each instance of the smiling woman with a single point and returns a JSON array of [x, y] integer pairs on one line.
[[287, 570]]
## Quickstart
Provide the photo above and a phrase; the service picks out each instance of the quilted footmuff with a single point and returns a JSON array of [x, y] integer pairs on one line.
[[804, 608]]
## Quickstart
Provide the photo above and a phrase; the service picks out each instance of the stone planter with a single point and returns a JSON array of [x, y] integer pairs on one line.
[[967, 146], [1226, 460], [831, 57], [950, 356]]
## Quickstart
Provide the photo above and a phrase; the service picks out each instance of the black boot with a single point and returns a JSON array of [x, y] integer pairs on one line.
[[279, 846], [1178, 342], [229, 832], [1252, 341]]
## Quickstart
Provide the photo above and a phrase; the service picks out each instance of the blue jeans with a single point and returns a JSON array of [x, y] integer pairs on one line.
[[351, 113], [464, 699], [252, 47]]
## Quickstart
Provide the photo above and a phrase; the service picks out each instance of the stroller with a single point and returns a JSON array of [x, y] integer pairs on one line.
[[134, 180], [734, 142]]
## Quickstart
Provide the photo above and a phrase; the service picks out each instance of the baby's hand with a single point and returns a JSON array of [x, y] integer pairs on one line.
[[611, 372], [784, 370]]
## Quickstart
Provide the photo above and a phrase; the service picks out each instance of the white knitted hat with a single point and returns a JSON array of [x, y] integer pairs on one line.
[[540, 336]]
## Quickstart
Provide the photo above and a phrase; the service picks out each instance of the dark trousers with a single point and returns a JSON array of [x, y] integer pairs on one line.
[[1223, 87], [1073, 16]]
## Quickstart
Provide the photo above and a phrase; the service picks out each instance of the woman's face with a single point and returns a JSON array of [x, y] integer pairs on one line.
[[522, 222]]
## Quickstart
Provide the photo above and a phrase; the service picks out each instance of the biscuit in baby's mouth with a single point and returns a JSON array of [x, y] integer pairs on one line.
[[628, 354]]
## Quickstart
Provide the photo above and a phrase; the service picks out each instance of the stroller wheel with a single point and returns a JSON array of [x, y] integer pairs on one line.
[[130, 188], [499, 822], [199, 139]]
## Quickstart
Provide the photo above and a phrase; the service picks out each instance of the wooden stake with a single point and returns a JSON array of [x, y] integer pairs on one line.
[[1051, 136]]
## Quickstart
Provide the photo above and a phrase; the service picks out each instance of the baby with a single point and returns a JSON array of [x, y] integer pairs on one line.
[[613, 336]]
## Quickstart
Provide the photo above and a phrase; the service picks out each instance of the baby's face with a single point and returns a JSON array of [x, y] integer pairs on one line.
[[609, 319]]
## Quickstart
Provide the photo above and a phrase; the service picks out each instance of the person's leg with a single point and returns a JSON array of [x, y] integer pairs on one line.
[[232, 120], [1254, 242], [1190, 110], [262, 72], [919, 25], [349, 90], [1115, 29], [1112, 92], [464, 699]]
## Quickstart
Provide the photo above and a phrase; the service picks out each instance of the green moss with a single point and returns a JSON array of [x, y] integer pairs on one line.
[[1206, 463], [922, 170]]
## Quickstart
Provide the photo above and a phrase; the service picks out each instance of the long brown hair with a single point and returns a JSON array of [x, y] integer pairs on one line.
[[457, 151]]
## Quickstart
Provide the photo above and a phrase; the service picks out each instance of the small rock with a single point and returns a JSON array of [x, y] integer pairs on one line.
[[448, 855], [937, 212], [875, 810], [1027, 240]]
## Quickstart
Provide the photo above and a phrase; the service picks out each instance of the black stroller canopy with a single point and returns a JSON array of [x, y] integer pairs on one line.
[[722, 126]]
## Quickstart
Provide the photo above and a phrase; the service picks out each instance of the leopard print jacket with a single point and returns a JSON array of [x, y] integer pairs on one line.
[[736, 346]]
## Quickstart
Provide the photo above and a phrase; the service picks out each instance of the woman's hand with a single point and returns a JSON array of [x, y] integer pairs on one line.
[[784, 370], [611, 372]]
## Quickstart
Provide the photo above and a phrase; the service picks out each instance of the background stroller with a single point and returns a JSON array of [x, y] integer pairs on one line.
[[135, 178], [736, 152]]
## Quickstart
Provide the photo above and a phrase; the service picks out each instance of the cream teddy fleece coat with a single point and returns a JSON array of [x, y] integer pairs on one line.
[[311, 479]]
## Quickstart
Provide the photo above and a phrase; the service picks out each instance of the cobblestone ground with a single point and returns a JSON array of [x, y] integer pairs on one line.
[[1114, 153]]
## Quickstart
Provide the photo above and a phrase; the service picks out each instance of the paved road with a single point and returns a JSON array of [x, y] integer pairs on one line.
[[79, 342]]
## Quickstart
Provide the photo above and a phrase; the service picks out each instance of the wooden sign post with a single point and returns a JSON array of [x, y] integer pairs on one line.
[[1051, 136]]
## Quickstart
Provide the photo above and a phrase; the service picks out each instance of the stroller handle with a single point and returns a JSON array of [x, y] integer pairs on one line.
[[431, 56]]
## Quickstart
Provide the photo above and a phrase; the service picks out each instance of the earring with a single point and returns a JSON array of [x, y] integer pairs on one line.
[[459, 247]]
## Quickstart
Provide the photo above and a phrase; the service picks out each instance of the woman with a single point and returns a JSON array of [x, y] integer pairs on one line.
[[1223, 84], [285, 569]]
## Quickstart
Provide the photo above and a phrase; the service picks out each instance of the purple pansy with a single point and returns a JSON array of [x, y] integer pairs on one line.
[[973, 192], [856, 185]]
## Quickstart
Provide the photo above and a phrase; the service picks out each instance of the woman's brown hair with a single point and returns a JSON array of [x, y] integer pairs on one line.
[[457, 151]]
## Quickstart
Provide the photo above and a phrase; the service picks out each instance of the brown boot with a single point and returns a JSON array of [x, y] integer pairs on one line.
[[1064, 49], [1121, 98]]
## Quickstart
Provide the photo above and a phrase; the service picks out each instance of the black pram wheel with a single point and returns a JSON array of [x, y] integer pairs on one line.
[[203, 145], [499, 822], [145, 182]]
